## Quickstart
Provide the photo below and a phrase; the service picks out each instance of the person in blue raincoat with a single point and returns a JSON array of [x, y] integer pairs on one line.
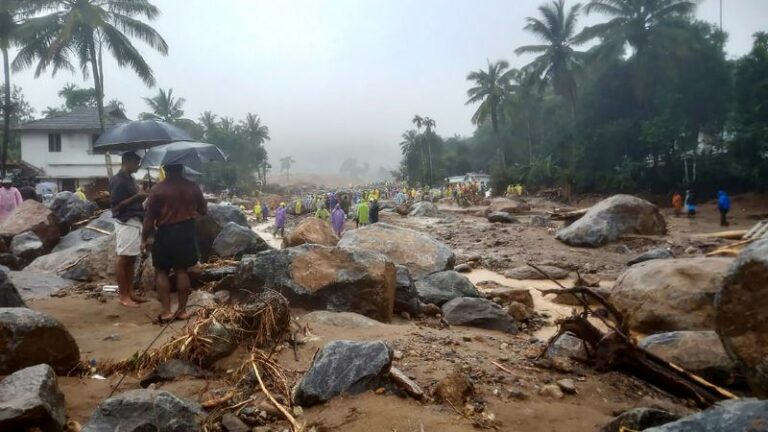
[[724, 205]]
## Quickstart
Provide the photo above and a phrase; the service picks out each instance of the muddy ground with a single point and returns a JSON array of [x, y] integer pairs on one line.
[[429, 351]]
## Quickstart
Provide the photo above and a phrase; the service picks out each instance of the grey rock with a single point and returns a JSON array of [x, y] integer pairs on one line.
[[748, 415], [700, 352], [658, 253], [144, 410], [171, 370], [639, 419], [669, 295], [741, 315], [322, 277], [439, 288], [208, 227], [420, 252], [9, 295], [340, 319], [27, 246], [231, 423], [502, 217], [9, 261], [528, 272], [31, 338], [223, 342], [200, 299], [568, 346], [235, 240], [611, 218], [478, 312], [538, 221], [424, 209], [30, 398], [222, 297], [33, 284], [406, 296], [69, 209], [463, 268], [215, 274], [344, 367]]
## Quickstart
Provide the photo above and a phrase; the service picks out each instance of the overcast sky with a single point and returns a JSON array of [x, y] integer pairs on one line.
[[339, 78]]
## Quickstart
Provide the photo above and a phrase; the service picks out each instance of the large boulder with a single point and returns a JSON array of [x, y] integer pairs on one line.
[[743, 415], [69, 209], [311, 230], [442, 287], [100, 227], [30, 399], [27, 246], [424, 209], [32, 216], [420, 252], [669, 295], [29, 338], [700, 352], [611, 218], [344, 367], [506, 205], [33, 285], [144, 410], [235, 240], [528, 272], [9, 295], [741, 317], [322, 277], [406, 295], [478, 312], [209, 226]]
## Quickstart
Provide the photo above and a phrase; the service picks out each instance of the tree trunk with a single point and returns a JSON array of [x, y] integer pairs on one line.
[[573, 137], [6, 113], [429, 153], [530, 138], [495, 124], [99, 96]]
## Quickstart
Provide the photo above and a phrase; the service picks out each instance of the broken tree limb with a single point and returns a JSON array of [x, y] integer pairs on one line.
[[728, 235], [616, 350]]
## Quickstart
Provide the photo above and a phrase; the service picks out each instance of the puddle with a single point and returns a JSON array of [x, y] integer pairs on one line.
[[541, 303]]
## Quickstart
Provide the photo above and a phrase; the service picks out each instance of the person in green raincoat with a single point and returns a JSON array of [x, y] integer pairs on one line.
[[322, 213], [362, 214]]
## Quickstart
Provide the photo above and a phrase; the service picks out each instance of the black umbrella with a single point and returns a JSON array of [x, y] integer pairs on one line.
[[192, 155], [139, 135]]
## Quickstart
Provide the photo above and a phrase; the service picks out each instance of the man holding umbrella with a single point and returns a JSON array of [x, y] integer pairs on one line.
[[172, 208], [126, 201]]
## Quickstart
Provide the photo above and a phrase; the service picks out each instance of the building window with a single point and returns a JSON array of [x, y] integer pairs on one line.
[[54, 143]]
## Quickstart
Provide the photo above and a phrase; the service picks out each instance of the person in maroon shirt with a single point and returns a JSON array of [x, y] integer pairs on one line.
[[172, 208]]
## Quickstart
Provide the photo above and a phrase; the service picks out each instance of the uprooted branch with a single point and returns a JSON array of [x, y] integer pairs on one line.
[[616, 350]]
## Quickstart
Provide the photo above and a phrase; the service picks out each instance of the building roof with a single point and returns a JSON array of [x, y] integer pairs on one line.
[[80, 119]]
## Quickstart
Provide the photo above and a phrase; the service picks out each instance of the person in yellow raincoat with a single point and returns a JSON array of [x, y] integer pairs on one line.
[[322, 213], [80, 194], [257, 212], [298, 207]]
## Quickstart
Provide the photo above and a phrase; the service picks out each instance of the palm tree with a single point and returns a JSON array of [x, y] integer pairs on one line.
[[410, 145], [558, 62], [164, 106], [256, 134], [81, 28], [429, 124], [419, 122], [209, 122], [15, 23], [285, 165], [491, 87], [637, 23]]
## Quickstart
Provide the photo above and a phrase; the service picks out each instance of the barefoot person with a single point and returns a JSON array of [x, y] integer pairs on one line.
[[172, 208], [126, 199]]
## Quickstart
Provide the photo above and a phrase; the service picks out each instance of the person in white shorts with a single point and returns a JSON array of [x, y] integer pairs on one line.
[[126, 201]]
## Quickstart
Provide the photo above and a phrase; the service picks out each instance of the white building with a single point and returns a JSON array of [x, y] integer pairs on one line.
[[470, 178], [61, 148]]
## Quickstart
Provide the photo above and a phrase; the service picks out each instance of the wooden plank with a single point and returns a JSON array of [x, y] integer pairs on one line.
[[728, 235]]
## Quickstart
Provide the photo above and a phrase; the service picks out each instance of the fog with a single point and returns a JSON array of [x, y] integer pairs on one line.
[[338, 78]]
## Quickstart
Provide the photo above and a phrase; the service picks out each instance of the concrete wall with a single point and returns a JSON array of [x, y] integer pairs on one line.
[[75, 160]]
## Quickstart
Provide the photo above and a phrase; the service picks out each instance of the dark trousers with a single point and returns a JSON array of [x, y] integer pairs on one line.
[[723, 217]]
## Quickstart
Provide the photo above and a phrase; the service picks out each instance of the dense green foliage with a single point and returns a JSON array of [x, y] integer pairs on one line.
[[653, 105]]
